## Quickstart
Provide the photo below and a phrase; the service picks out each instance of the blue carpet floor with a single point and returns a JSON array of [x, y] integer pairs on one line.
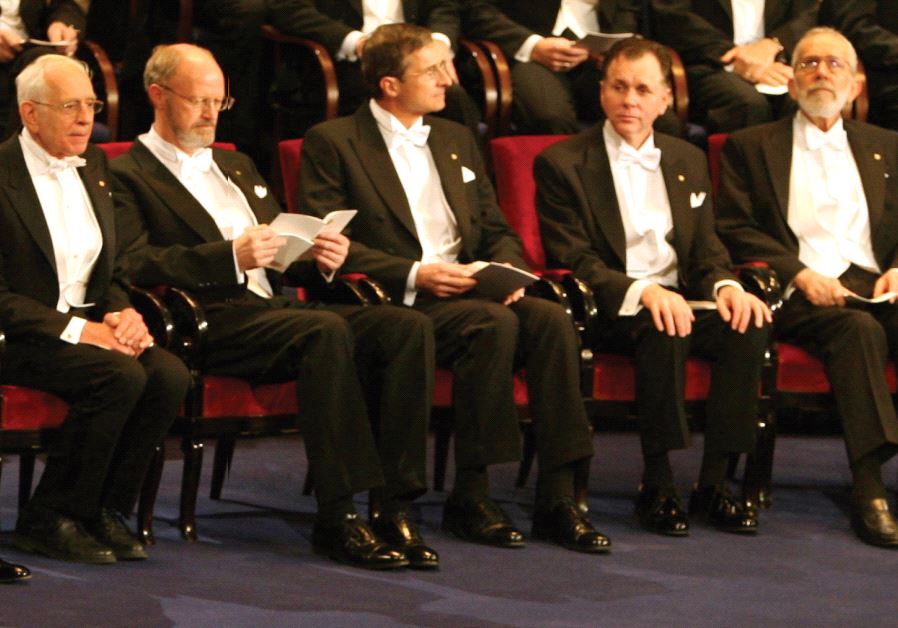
[[253, 565]]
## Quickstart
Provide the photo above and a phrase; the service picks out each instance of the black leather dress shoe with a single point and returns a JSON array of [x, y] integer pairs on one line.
[[110, 530], [480, 520], [401, 532], [874, 524], [722, 510], [568, 526], [12, 573], [660, 511], [352, 542], [60, 537]]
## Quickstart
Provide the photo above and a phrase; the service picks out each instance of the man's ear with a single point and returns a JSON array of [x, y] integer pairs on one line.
[[389, 86], [28, 114], [154, 93]]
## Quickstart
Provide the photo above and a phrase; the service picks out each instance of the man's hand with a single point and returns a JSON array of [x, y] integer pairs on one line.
[[257, 247], [102, 335], [10, 45], [444, 280], [751, 61], [777, 74], [59, 31], [514, 297], [888, 282], [820, 290], [129, 329], [330, 251], [558, 54], [670, 312], [739, 309]]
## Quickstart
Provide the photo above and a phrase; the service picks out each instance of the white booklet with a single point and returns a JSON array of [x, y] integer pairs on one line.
[[497, 281], [883, 298], [300, 230], [55, 44], [702, 305], [598, 43]]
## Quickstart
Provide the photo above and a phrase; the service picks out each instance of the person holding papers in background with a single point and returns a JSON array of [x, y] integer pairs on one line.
[[427, 211], [629, 211], [196, 218], [816, 198]]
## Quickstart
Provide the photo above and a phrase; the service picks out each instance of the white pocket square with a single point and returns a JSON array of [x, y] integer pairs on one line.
[[467, 174], [696, 199], [261, 191]]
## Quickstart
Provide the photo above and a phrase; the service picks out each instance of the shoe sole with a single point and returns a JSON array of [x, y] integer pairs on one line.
[[373, 567], [36, 547], [653, 530], [574, 548], [461, 534]]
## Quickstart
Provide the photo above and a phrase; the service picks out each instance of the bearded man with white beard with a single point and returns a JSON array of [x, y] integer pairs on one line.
[[816, 198]]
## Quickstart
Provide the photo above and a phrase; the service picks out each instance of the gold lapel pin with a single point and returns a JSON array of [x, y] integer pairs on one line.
[[102, 184], [681, 178], [454, 156], [877, 156], [238, 173]]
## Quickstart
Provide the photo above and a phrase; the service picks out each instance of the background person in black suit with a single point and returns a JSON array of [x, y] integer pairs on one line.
[[426, 209], [872, 27], [197, 218], [70, 328], [630, 213], [344, 27], [728, 52], [817, 199]]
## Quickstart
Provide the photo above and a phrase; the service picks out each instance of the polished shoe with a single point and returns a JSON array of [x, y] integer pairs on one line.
[[480, 520], [874, 524], [354, 543], [111, 530], [568, 526], [722, 510], [402, 533], [13, 573], [60, 537], [660, 511]]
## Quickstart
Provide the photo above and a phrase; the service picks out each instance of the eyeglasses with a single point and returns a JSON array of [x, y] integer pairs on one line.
[[201, 104], [810, 64], [72, 108], [434, 71]]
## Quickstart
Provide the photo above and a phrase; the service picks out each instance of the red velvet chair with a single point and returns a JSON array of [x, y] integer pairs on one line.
[[608, 380]]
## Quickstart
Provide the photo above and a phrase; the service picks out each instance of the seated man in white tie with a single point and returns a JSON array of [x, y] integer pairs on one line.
[[629, 211], [816, 197]]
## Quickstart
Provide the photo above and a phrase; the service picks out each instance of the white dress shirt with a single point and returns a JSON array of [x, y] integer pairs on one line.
[[74, 230], [579, 16], [748, 21], [375, 13], [435, 223], [11, 19], [217, 194], [827, 206]]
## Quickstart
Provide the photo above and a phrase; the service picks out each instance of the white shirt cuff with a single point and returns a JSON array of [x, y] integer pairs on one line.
[[411, 292], [347, 48], [631, 304], [727, 282], [241, 276], [526, 50], [72, 332]]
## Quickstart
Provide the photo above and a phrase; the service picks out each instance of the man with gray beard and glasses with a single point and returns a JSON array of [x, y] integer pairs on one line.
[[816, 198]]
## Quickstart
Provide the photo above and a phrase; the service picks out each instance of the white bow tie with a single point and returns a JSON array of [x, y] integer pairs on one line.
[[648, 158], [417, 136], [55, 165], [817, 139], [200, 161]]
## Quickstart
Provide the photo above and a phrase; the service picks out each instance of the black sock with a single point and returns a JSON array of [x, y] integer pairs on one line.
[[334, 512], [714, 469], [554, 485], [471, 482], [658, 473], [867, 475]]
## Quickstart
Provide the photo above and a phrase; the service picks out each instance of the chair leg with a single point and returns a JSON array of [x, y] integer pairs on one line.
[[759, 467], [442, 439], [528, 456], [190, 486], [26, 476], [309, 485], [221, 467], [148, 493]]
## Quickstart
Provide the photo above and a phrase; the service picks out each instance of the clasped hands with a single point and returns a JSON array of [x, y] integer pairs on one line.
[[122, 331], [673, 316], [257, 246], [827, 291], [444, 280]]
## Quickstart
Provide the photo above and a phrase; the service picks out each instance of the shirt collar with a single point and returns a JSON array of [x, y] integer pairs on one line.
[[810, 135], [390, 124], [614, 141], [38, 160]]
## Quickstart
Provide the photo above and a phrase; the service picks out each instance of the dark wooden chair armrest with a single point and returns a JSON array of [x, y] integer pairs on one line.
[[680, 86], [496, 79], [156, 316], [761, 280], [191, 326], [110, 85], [323, 57]]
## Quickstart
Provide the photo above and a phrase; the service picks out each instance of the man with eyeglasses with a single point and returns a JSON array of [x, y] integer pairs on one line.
[[70, 328], [816, 198], [197, 218], [426, 211]]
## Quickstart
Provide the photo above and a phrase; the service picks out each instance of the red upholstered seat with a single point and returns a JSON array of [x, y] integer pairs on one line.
[[288, 155], [231, 396], [30, 409]]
